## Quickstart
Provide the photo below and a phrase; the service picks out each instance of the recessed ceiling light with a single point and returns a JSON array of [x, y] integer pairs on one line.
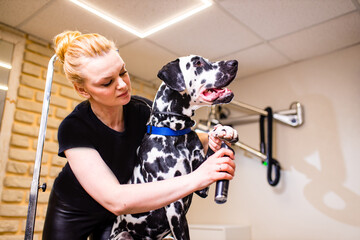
[[5, 65], [5, 88], [129, 28]]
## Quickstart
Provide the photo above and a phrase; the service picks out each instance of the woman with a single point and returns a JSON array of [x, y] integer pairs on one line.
[[99, 139]]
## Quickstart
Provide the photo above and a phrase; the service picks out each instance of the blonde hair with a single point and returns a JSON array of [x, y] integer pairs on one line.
[[72, 46]]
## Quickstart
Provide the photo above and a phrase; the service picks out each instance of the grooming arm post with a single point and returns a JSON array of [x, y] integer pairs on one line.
[[293, 116], [30, 222]]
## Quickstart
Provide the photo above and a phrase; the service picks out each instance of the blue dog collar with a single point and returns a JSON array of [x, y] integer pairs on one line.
[[166, 131]]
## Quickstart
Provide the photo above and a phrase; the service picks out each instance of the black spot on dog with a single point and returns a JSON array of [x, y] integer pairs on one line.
[[178, 125], [177, 174], [130, 226], [203, 81], [175, 221], [187, 166], [170, 161], [208, 86], [199, 70], [178, 207], [195, 59], [187, 66], [140, 228], [218, 76], [190, 83]]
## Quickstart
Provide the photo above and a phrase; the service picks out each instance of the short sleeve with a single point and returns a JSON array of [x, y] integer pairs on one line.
[[73, 133]]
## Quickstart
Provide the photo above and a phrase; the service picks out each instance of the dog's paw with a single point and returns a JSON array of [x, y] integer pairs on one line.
[[203, 193], [124, 236], [225, 133]]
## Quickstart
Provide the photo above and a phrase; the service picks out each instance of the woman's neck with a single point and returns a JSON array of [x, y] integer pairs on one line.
[[113, 117]]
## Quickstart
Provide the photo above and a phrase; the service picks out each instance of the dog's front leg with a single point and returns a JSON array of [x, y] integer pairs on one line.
[[124, 236], [175, 213], [120, 236]]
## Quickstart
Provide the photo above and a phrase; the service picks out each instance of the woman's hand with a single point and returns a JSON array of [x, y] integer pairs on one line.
[[219, 166]]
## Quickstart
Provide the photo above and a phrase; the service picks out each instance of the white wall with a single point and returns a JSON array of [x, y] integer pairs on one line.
[[318, 196]]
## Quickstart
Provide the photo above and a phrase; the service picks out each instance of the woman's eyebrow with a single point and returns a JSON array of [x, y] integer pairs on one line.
[[111, 76], [123, 68]]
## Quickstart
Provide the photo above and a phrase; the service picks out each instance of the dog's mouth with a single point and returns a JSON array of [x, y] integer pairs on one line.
[[217, 95]]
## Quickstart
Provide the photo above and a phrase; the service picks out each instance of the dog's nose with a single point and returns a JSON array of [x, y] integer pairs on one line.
[[232, 63]]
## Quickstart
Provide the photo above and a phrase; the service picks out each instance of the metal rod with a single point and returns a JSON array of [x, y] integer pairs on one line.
[[250, 150], [251, 108], [30, 222]]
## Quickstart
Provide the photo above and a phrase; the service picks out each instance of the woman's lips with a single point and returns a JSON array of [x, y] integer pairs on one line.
[[124, 94]]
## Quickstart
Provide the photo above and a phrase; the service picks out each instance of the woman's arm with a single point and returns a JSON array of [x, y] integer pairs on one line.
[[204, 139], [101, 184]]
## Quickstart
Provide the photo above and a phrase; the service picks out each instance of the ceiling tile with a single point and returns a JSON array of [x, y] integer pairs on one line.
[[335, 34], [210, 33], [10, 9], [271, 19], [144, 59], [257, 59], [261, 34], [64, 15], [144, 14]]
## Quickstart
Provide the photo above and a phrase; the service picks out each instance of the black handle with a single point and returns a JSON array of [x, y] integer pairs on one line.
[[221, 191], [270, 162]]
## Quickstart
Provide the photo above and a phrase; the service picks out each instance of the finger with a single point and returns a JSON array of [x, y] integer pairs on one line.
[[224, 176], [214, 147], [224, 152], [214, 138], [215, 143], [226, 168]]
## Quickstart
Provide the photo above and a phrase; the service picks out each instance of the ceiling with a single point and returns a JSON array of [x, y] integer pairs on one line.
[[260, 34]]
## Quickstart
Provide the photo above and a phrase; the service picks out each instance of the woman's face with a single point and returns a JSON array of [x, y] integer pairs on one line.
[[106, 81]]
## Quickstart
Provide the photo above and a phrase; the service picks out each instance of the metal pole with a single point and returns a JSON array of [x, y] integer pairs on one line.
[[30, 222], [251, 150], [252, 108]]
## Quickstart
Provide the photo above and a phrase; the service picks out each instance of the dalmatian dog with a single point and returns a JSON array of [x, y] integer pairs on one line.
[[171, 148]]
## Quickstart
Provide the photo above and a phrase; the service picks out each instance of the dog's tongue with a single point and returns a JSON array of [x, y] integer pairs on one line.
[[214, 93]]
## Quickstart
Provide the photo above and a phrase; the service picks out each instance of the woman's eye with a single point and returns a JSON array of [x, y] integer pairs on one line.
[[123, 73], [108, 84]]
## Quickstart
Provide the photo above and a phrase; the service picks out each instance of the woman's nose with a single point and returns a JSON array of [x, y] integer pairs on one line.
[[120, 83]]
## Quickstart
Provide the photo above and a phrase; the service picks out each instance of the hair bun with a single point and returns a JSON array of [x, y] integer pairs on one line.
[[62, 42]]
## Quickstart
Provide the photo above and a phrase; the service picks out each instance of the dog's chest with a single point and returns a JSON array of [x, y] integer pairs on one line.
[[162, 157]]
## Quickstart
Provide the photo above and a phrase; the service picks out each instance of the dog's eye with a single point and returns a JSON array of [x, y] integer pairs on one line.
[[198, 63]]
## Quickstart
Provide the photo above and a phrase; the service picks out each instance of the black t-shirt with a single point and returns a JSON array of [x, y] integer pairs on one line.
[[82, 128]]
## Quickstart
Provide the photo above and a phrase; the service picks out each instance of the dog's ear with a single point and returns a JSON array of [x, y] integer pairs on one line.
[[172, 76]]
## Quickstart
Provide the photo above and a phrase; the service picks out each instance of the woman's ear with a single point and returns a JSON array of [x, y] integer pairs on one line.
[[81, 91]]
